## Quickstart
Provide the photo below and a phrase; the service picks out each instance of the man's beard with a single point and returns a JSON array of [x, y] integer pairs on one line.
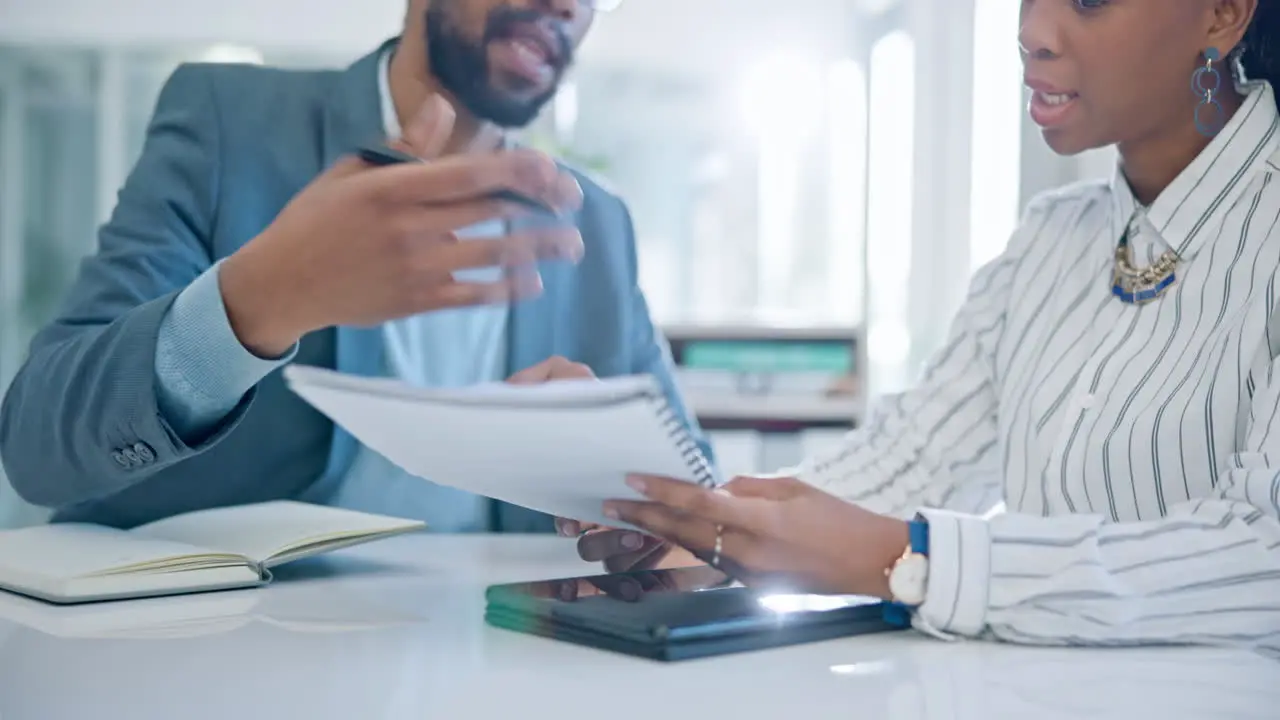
[[462, 66]]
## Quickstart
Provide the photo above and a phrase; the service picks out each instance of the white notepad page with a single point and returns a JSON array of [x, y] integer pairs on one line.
[[72, 561], [267, 529], [559, 448], [67, 551]]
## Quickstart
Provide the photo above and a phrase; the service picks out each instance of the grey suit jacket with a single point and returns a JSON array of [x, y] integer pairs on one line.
[[227, 148]]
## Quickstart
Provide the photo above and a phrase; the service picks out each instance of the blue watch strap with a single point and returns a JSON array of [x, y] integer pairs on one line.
[[919, 530], [895, 613]]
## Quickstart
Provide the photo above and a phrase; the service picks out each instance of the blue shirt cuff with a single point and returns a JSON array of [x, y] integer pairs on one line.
[[203, 370]]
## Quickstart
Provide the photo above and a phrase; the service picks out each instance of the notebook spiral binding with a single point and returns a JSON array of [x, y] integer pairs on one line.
[[685, 444]]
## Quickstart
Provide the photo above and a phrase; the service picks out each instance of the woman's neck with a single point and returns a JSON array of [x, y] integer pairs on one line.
[[1153, 162]]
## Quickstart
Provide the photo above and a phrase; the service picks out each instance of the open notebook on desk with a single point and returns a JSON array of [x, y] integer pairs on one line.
[[562, 447], [335, 610], [216, 549]]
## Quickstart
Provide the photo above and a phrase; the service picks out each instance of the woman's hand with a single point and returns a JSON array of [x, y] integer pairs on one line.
[[772, 531]]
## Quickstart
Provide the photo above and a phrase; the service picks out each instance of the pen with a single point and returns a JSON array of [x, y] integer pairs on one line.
[[382, 155]]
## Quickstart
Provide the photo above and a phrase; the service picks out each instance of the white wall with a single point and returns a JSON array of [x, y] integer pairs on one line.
[[335, 25], [1096, 164], [943, 165], [712, 35]]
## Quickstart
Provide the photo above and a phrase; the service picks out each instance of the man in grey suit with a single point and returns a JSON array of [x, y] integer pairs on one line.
[[249, 236]]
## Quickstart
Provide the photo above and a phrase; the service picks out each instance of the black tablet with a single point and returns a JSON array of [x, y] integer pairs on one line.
[[677, 614]]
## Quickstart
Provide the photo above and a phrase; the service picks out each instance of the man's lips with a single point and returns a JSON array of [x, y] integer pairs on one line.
[[537, 41], [516, 56]]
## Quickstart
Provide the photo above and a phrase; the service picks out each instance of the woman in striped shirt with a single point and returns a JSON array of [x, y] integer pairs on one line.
[[1112, 377]]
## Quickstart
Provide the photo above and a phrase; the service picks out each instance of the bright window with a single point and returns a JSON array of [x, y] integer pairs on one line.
[[889, 222], [846, 188], [997, 122]]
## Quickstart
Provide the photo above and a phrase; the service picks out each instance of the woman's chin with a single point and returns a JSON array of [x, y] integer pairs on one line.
[[1065, 142]]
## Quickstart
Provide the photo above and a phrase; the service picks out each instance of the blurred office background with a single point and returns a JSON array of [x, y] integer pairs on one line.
[[804, 176]]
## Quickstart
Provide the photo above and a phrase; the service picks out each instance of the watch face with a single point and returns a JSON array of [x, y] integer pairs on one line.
[[909, 579]]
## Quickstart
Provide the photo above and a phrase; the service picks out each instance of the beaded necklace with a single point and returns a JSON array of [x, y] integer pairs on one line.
[[1140, 285]]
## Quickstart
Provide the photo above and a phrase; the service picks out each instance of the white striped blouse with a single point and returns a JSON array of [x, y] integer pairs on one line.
[[1137, 448]]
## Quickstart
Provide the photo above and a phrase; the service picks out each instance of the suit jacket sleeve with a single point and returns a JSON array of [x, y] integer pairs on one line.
[[202, 369], [82, 419], [652, 352]]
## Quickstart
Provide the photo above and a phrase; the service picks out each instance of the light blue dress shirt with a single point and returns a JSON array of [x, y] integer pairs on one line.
[[203, 372]]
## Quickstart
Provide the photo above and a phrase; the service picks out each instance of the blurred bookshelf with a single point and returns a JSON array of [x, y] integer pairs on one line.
[[769, 396]]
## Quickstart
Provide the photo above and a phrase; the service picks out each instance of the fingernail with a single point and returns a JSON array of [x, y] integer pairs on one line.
[[574, 251], [570, 193], [630, 591], [611, 512], [569, 528], [631, 541], [434, 104], [636, 483], [528, 283], [437, 103], [567, 592]]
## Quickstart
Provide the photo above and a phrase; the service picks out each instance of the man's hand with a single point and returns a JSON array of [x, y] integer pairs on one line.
[[628, 587], [554, 368], [362, 245], [623, 550]]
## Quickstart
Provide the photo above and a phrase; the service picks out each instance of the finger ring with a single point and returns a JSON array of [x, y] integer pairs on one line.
[[715, 555]]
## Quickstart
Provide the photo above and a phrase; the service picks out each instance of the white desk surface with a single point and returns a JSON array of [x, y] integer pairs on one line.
[[395, 630]]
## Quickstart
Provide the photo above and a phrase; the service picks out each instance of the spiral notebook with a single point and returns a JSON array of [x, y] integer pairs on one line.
[[560, 448]]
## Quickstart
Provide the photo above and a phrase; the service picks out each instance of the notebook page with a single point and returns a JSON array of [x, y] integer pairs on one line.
[[560, 460], [68, 551], [264, 530]]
